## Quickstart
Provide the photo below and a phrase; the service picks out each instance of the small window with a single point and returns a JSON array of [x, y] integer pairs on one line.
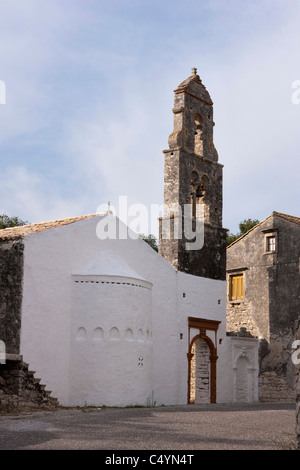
[[237, 287], [271, 243]]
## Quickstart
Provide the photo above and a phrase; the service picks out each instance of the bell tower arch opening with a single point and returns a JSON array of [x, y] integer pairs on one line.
[[195, 186], [199, 123]]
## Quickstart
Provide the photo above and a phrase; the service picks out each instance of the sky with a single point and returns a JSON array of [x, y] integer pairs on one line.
[[89, 95]]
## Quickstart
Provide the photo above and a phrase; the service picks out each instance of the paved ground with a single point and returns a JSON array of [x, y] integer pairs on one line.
[[192, 427]]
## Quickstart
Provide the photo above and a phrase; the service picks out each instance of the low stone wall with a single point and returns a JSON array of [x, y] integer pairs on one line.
[[19, 388], [274, 388], [276, 372], [11, 281]]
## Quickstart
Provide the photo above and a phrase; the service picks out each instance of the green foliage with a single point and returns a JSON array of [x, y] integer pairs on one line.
[[151, 240], [247, 225], [7, 222], [244, 226], [230, 238]]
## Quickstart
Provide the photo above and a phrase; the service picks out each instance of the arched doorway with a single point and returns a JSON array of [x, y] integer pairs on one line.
[[200, 372], [202, 362]]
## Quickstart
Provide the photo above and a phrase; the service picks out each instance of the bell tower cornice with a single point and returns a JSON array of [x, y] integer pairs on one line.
[[194, 87]]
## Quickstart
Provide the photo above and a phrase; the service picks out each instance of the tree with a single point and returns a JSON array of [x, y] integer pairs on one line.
[[244, 227], [151, 240], [7, 222], [247, 225], [230, 238]]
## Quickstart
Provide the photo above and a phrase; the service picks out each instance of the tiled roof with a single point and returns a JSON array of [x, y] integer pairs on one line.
[[21, 231], [290, 218]]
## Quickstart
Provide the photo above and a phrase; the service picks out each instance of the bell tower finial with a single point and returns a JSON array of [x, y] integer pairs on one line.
[[194, 71]]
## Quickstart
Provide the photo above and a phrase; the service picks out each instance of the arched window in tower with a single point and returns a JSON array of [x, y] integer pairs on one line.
[[198, 145], [196, 193], [204, 186]]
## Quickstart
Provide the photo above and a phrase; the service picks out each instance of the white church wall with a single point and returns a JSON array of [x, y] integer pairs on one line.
[[165, 334], [45, 326], [51, 257], [111, 336], [114, 344]]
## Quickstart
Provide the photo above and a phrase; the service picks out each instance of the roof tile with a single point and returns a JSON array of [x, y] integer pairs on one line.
[[21, 231]]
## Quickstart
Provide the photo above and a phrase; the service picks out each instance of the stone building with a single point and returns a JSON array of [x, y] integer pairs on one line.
[[104, 320], [263, 296], [193, 187], [297, 382]]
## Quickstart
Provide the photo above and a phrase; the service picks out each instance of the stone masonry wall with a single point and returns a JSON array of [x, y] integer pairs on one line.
[[297, 386], [11, 278], [271, 301], [210, 260], [19, 389], [238, 317]]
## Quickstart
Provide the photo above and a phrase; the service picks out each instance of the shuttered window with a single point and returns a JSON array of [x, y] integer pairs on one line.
[[237, 287]]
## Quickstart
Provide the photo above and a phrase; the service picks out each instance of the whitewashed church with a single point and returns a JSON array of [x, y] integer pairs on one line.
[[111, 321]]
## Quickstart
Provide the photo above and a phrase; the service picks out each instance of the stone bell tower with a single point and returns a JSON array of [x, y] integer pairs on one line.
[[191, 236]]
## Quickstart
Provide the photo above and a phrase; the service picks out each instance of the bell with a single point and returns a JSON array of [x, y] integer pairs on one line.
[[199, 192]]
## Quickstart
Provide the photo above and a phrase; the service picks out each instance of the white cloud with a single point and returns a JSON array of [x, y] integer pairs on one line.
[[90, 97], [23, 194], [117, 150], [34, 42]]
